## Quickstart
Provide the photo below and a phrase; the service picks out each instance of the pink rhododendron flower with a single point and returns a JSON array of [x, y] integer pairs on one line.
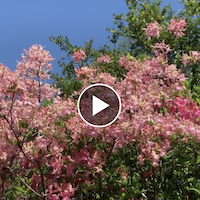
[[36, 61], [124, 175], [192, 58], [84, 72], [140, 160], [153, 30], [69, 170], [161, 49], [79, 55], [103, 59], [178, 27], [57, 164], [184, 108], [35, 181], [3, 155], [123, 61], [67, 191]]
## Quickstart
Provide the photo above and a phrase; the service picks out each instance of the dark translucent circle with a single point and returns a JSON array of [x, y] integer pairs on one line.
[[107, 115]]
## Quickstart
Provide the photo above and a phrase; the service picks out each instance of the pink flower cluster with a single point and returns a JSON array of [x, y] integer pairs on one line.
[[84, 72], [192, 58], [153, 30], [184, 108], [103, 59], [79, 56], [161, 50], [90, 75], [36, 61], [21, 113], [178, 27], [65, 191], [54, 137]]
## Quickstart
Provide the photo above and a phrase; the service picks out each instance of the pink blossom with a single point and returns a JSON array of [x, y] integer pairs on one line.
[[54, 197], [84, 72], [184, 108], [123, 61], [35, 62], [190, 59], [35, 181], [124, 175], [57, 164], [79, 55], [69, 170], [3, 155], [178, 27], [153, 30], [103, 59], [140, 160], [67, 191], [52, 190], [161, 49]]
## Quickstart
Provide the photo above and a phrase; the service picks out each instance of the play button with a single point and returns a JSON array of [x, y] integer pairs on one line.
[[99, 105]]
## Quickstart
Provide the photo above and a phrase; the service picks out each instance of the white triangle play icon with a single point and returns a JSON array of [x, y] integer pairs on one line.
[[98, 105]]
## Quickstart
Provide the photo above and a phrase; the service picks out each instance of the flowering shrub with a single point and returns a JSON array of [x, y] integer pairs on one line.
[[48, 151]]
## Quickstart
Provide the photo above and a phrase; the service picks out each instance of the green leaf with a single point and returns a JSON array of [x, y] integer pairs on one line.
[[23, 124], [198, 101], [98, 196], [195, 190], [165, 110]]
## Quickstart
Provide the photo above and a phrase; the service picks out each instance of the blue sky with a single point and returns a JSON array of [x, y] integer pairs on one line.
[[24, 23]]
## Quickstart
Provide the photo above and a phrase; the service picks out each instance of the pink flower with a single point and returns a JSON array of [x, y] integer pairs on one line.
[[184, 108], [35, 181], [84, 72], [67, 191], [35, 63], [123, 61], [3, 155], [103, 59], [123, 175], [52, 189], [153, 30], [69, 170], [140, 160], [161, 50], [54, 197], [193, 57], [57, 164], [178, 27], [79, 55], [81, 156]]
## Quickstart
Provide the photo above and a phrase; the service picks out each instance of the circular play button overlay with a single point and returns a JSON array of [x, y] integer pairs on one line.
[[99, 105]]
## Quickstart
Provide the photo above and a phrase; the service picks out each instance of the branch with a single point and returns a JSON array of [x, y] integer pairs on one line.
[[29, 186], [100, 185], [111, 149], [42, 177], [22, 180], [18, 141]]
